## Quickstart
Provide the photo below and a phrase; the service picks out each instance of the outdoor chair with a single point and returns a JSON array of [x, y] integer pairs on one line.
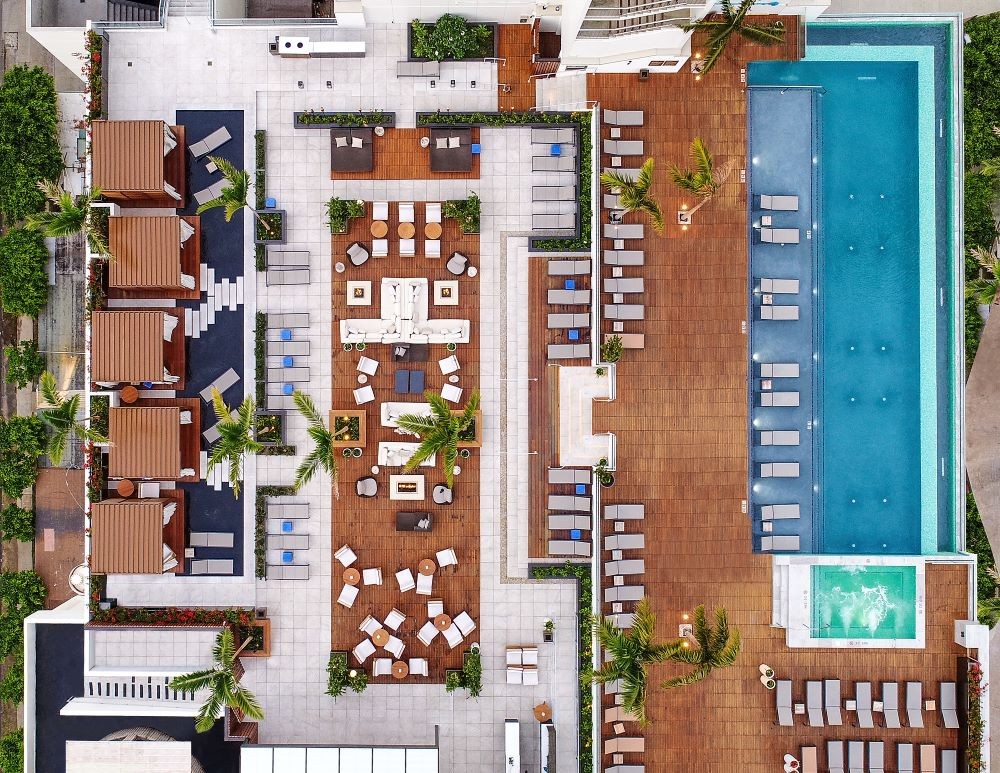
[[432, 248], [624, 258], [568, 502], [786, 543], [368, 366], [442, 495], [424, 584], [380, 248], [809, 762], [949, 704], [569, 475], [623, 117], [407, 247], [222, 383], [364, 650], [914, 704], [814, 702], [357, 254], [435, 607], [433, 212], [779, 513], [782, 203], [380, 210], [405, 579], [383, 667], [369, 625], [779, 470], [890, 704], [287, 276], [863, 697], [212, 566], [788, 437], [788, 312], [449, 392], [515, 675], [624, 285], [287, 320], [783, 694], [530, 676], [364, 395], [372, 576], [418, 666], [779, 399], [213, 141], [928, 758], [394, 619], [904, 757], [949, 762], [427, 633], [346, 556], [780, 236], [514, 656], [831, 693], [406, 213], [779, 370], [856, 756], [287, 572], [876, 757], [447, 557], [465, 623], [457, 264], [211, 539], [834, 756], [636, 511], [366, 487], [453, 635], [449, 365], [779, 286], [395, 646], [625, 542], [348, 595]]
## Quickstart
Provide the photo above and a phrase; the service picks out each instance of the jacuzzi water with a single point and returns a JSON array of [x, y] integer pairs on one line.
[[864, 602]]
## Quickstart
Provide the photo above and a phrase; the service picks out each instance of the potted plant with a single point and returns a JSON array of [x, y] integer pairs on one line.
[[471, 436], [604, 476], [451, 346], [349, 428], [259, 635], [452, 680], [269, 428], [340, 677], [452, 37], [472, 671], [465, 212], [611, 349], [360, 347], [547, 629], [348, 347], [340, 212]]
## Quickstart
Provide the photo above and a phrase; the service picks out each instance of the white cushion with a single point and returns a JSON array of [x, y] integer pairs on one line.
[[340, 142], [356, 142], [441, 143], [453, 142]]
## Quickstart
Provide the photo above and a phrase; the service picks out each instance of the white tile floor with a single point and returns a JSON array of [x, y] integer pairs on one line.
[[142, 649]]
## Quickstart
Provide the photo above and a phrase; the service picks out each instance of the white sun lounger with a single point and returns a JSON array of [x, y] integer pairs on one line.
[[949, 761], [569, 297], [288, 348], [624, 512], [809, 763], [624, 231], [626, 566], [553, 193], [211, 539], [890, 704], [568, 502], [835, 756], [569, 521], [288, 571], [624, 285], [863, 697], [781, 203], [554, 221], [569, 547], [779, 370], [623, 147], [287, 276], [222, 383], [949, 705], [571, 475], [787, 542], [783, 695], [288, 320], [856, 756], [565, 136], [287, 541], [779, 286], [779, 470], [623, 117], [831, 687], [568, 267], [779, 399], [212, 433], [876, 757], [562, 163], [779, 437], [568, 351], [212, 566], [624, 310], [914, 704], [904, 757], [782, 513], [624, 542], [287, 375], [287, 511], [814, 702], [624, 593], [566, 321], [767, 311], [928, 758], [213, 141], [210, 193], [779, 235], [288, 258], [280, 403], [624, 258]]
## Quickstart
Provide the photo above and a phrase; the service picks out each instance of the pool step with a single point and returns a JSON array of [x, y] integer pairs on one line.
[[779, 595]]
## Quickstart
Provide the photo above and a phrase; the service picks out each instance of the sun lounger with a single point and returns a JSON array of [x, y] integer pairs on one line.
[[212, 433], [212, 566], [614, 687], [287, 258], [566, 321], [569, 297], [566, 502], [558, 221], [211, 193], [617, 714], [783, 695], [949, 761], [814, 702], [928, 758], [288, 571], [783, 543], [561, 163], [564, 136], [288, 276], [904, 757], [624, 542], [835, 756], [624, 231], [628, 174], [222, 383], [779, 286], [876, 757], [779, 470], [949, 704], [211, 539], [568, 267], [780, 203], [624, 593], [213, 141], [624, 744], [779, 437], [625, 566], [569, 547], [779, 312], [623, 147], [856, 756], [288, 511], [914, 704], [624, 512], [624, 285], [808, 759], [779, 370], [288, 348], [831, 687], [779, 399], [553, 193], [624, 258], [612, 201], [568, 351], [626, 769], [623, 620], [569, 475], [629, 340], [622, 117], [863, 697], [287, 320], [287, 375], [569, 521], [287, 541], [624, 311], [890, 704], [779, 235], [780, 513]]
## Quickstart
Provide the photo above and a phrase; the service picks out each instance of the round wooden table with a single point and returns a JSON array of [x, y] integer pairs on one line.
[[379, 228], [352, 576], [129, 394], [542, 712], [432, 230], [442, 622], [381, 637], [406, 230], [426, 566], [125, 488], [400, 670]]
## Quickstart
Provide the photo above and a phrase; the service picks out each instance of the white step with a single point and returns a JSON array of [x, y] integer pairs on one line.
[[203, 465], [203, 276], [217, 300], [203, 317], [187, 322], [239, 289], [211, 311], [196, 323], [225, 291], [210, 283]]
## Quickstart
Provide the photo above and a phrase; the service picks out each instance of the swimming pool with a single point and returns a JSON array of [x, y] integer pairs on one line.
[[864, 602], [875, 338]]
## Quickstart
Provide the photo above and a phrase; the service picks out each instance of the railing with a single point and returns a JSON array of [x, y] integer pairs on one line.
[[630, 29], [656, 6], [245, 22], [101, 26]]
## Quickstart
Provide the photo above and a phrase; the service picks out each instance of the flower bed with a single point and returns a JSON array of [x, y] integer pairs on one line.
[[100, 405], [260, 525], [260, 195], [349, 428], [97, 476], [465, 211], [974, 751], [340, 212], [93, 75], [320, 120], [452, 38], [260, 352], [238, 618], [97, 294]]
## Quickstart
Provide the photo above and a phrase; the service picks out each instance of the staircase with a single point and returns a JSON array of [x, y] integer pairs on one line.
[[226, 294], [129, 10], [190, 8], [136, 688], [612, 18], [779, 594]]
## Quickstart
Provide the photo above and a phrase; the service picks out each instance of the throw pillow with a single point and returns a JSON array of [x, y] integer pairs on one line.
[[341, 142], [356, 142], [441, 143], [453, 142]]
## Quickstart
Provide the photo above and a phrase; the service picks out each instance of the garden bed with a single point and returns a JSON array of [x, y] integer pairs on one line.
[[472, 437], [269, 226], [269, 428], [260, 525], [259, 633], [319, 120], [470, 41], [100, 405], [354, 424]]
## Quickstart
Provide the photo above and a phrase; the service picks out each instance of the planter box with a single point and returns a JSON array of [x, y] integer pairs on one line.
[[265, 650], [443, 120], [342, 120], [478, 425], [493, 26], [277, 238], [279, 439], [341, 442]]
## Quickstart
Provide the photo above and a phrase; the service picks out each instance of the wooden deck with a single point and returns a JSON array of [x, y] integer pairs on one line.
[[368, 525], [680, 419], [514, 70], [398, 156]]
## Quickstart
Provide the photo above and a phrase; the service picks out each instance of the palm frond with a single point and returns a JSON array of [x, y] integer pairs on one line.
[[439, 406], [763, 35], [416, 423], [982, 290], [208, 713], [691, 677], [221, 409], [198, 680], [211, 204], [307, 469], [613, 179], [47, 388], [644, 180], [701, 158], [307, 407]]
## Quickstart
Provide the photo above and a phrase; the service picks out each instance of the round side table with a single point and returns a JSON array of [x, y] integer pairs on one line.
[[472, 271], [406, 230], [374, 469], [453, 379], [400, 670], [125, 488], [339, 267], [442, 622], [352, 576], [542, 712], [425, 142], [129, 394], [381, 637], [379, 131], [362, 378], [426, 567], [379, 228], [432, 230]]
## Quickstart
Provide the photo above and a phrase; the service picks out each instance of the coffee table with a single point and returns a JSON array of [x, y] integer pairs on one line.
[[381, 637], [445, 292], [542, 712], [359, 293], [442, 622], [352, 576], [406, 230], [406, 487], [379, 228], [400, 670], [426, 567], [432, 230], [129, 394]]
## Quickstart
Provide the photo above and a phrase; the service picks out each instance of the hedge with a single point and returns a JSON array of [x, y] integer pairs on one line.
[[982, 88], [24, 363], [22, 441], [12, 752], [260, 525], [24, 283], [17, 523]]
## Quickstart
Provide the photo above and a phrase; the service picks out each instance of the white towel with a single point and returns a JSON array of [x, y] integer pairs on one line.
[[168, 512], [171, 191], [188, 472], [188, 282], [169, 140], [169, 324], [187, 230], [168, 378], [185, 417]]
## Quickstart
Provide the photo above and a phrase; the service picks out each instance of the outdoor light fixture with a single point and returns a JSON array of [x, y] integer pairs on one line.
[[329, 84], [302, 85]]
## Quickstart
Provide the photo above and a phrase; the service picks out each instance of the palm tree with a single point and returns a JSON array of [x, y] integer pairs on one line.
[[733, 21], [60, 415], [70, 217], [704, 180], [717, 647], [985, 287], [634, 194], [224, 688], [440, 432], [234, 194], [632, 651], [236, 438], [324, 454]]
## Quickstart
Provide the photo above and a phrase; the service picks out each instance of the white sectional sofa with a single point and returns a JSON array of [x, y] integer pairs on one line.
[[391, 411], [403, 306], [398, 454]]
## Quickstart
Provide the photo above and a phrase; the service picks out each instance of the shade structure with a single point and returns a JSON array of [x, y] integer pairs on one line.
[[146, 251], [126, 536], [127, 157], [128, 756], [127, 346], [145, 443]]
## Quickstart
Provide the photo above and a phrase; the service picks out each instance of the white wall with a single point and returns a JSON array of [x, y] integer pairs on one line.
[[403, 11], [62, 42], [230, 9]]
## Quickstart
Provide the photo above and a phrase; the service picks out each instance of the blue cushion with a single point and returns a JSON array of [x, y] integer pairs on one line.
[[570, 284], [147, 384], [581, 488], [287, 389], [286, 335], [402, 386], [574, 335], [288, 361], [287, 556], [416, 382], [286, 526], [476, 148], [574, 534], [270, 203], [556, 150]]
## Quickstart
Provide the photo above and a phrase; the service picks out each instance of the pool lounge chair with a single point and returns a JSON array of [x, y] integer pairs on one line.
[[831, 687], [623, 147], [835, 756], [624, 542], [856, 756], [949, 761], [914, 704], [779, 235], [280, 403], [287, 320], [288, 348], [890, 704], [211, 539], [809, 762], [779, 437], [222, 383], [779, 286], [768, 311], [624, 512], [288, 511], [779, 399], [783, 695], [949, 705], [782, 513], [568, 267], [287, 375], [357, 254], [288, 258], [212, 566], [287, 541], [565, 136], [625, 566], [624, 285], [624, 231], [624, 258], [569, 521], [567, 321], [562, 163], [624, 593], [876, 757], [814, 702], [569, 547], [569, 297], [558, 222], [567, 502], [623, 744], [287, 571], [782, 543], [928, 758], [568, 351], [287, 276], [779, 203], [569, 475], [553, 193], [779, 370], [624, 310], [904, 757], [211, 193], [622, 117], [213, 141], [863, 697]]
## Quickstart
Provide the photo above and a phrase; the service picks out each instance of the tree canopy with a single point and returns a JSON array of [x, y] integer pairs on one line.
[[24, 284]]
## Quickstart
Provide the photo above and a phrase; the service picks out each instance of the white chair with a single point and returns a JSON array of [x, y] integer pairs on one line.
[[449, 365], [530, 675], [465, 623], [405, 579], [394, 619], [449, 392], [368, 366], [529, 656], [515, 675], [366, 395], [514, 656], [395, 646], [364, 650], [435, 607], [418, 666], [406, 214], [372, 576], [348, 596], [433, 212], [424, 583], [383, 667], [453, 635], [380, 210], [432, 248], [346, 556], [369, 625], [427, 633], [447, 557], [407, 247], [380, 248]]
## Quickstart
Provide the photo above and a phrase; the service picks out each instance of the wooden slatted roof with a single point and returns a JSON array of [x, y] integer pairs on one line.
[[127, 346], [145, 443], [127, 156], [146, 250], [126, 536]]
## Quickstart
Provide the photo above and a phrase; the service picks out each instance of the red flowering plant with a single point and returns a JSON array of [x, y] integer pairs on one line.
[[92, 74], [974, 752]]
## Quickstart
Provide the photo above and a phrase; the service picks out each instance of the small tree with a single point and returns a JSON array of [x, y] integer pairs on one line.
[[634, 195], [452, 37], [60, 414], [70, 216], [323, 455], [611, 349], [984, 287], [439, 432], [24, 284], [22, 441], [704, 180], [718, 647], [339, 213], [12, 684], [733, 21], [235, 192], [17, 523], [24, 363], [465, 211], [236, 438], [12, 752]]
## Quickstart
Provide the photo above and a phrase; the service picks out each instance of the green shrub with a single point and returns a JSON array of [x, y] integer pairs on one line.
[[451, 37], [29, 140], [980, 225], [22, 592], [24, 363], [453, 681], [260, 525], [339, 213], [24, 284], [22, 441], [260, 354], [12, 684], [374, 118], [611, 350], [465, 211], [982, 88], [17, 523], [472, 672], [339, 676], [12, 752]]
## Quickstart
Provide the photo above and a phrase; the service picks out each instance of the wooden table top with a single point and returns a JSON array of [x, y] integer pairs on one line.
[[432, 230], [542, 712], [352, 576], [442, 622], [426, 567], [400, 670], [379, 228], [125, 488], [381, 637], [406, 230], [129, 394]]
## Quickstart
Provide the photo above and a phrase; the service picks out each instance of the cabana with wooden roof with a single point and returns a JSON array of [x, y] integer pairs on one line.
[[154, 257], [129, 346], [139, 163], [146, 442], [137, 536]]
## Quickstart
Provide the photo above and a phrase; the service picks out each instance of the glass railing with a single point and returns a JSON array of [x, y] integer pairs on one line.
[[233, 21], [100, 26]]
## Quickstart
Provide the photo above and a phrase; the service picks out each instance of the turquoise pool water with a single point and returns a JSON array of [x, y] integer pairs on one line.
[[857, 602]]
